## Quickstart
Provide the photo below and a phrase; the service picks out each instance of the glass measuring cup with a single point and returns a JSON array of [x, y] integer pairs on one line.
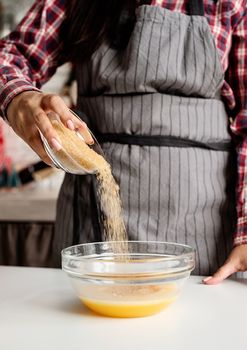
[[65, 160]]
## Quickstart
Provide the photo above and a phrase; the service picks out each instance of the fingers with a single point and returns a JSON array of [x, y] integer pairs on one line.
[[55, 103], [237, 261], [28, 114], [225, 271], [45, 126], [83, 130]]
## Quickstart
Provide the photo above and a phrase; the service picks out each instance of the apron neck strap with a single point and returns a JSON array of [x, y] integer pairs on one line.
[[196, 7]]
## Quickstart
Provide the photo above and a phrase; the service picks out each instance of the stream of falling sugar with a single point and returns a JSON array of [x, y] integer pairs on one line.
[[108, 190]]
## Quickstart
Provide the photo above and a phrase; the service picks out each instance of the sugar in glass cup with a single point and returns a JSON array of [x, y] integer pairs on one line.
[[65, 160], [139, 283]]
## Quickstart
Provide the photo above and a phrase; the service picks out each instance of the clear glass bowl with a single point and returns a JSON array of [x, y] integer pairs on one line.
[[65, 160], [140, 283]]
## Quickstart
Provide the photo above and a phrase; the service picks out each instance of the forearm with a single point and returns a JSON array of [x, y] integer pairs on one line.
[[240, 236], [237, 80], [12, 88]]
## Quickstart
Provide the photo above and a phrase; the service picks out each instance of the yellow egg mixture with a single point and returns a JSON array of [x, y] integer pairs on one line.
[[129, 301]]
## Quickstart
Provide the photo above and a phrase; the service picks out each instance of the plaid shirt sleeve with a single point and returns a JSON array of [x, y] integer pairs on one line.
[[238, 81], [29, 55]]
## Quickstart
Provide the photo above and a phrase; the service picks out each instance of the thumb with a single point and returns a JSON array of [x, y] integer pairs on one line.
[[222, 273]]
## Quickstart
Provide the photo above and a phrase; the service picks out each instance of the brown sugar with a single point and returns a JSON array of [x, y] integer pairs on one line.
[[73, 147], [87, 159]]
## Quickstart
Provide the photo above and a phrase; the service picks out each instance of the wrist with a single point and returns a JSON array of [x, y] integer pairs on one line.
[[10, 90]]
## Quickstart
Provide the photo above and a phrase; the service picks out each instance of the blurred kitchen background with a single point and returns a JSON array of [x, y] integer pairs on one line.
[[28, 188]]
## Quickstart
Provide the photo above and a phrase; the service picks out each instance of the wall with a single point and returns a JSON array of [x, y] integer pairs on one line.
[[18, 7]]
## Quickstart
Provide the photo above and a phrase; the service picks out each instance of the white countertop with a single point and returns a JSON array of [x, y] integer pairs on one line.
[[38, 310]]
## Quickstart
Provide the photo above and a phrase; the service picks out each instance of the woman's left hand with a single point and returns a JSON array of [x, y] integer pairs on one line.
[[237, 261]]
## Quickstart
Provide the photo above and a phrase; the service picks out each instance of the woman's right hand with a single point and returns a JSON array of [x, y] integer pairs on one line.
[[27, 114]]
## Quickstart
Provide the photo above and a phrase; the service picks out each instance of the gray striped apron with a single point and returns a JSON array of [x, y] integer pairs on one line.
[[155, 107]]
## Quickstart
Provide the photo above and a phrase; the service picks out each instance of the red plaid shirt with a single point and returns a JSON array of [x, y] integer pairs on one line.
[[30, 55]]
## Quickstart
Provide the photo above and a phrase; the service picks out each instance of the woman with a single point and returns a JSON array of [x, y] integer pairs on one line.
[[151, 82]]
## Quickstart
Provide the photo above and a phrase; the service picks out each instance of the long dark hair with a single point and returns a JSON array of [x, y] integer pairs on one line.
[[89, 22]]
